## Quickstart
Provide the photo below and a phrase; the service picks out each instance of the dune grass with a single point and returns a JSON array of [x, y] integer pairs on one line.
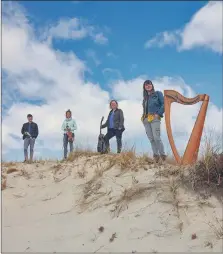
[[207, 171]]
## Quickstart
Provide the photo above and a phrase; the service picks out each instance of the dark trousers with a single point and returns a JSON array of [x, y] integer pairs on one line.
[[110, 134], [65, 143]]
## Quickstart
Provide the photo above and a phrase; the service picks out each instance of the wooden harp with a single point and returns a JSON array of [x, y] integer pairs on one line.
[[191, 152]]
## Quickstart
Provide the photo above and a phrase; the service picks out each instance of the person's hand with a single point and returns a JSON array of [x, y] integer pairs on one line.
[[119, 128], [156, 116]]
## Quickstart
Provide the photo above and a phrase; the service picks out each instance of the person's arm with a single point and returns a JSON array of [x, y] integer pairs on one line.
[[23, 130], [161, 100], [143, 111], [144, 104], [74, 126], [121, 122], [37, 131]]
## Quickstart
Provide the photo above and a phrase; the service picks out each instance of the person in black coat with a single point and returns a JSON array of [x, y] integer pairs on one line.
[[115, 126], [30, 132]]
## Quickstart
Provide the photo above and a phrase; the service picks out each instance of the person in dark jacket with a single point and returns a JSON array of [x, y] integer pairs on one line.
[[30, 132], [153, 109], [115, 126]]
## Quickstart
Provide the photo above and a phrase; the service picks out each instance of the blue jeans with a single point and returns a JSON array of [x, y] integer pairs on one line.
[[65, 143], [110, 134], [29, 142], [153, 133]]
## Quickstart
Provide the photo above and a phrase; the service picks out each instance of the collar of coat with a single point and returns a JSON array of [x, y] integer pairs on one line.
[[114, 110]]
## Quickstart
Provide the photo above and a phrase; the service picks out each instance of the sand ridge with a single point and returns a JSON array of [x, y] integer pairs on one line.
[[95, 205]]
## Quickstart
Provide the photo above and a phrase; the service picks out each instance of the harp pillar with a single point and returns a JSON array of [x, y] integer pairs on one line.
[[191, 152]]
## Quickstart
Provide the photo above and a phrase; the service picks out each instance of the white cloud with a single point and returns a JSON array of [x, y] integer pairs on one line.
[[100, 38], [54, 76], [128, 90], [92, 55], [163, 39], [35, 70], [182, 117], [74, 29], [68, 29], [132, 89], [203, 30]]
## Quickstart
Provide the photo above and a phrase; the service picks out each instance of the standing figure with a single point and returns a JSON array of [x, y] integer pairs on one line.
[[153, 109], [30, 132], [115, 126], [68, 127]]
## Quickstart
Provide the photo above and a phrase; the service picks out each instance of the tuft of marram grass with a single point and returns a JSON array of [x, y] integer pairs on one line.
[[126, 160], [8, 164], [171, 161], [208, 170], [11, 170], [80, 153], [129, 161], [134, 192], [3, 182], [217, 227]]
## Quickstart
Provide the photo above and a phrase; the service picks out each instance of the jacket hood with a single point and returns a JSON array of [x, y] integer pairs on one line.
[[68, 119]]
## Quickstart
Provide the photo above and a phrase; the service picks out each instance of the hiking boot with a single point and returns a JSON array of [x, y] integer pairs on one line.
[[156, 158], [118, 150], [119, 145], [163, 157]]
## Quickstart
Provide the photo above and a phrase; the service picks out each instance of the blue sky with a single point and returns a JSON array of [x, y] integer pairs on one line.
[[130, 25], [118, 43]]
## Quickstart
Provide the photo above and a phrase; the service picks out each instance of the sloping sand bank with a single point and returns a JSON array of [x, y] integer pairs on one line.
[[95, 204]]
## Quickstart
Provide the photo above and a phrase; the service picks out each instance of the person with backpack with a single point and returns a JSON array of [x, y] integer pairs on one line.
[[30, 132], [115, 126], [153, 109], [68, 127]]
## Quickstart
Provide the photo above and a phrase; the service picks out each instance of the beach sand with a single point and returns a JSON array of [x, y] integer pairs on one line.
[[92, 205]]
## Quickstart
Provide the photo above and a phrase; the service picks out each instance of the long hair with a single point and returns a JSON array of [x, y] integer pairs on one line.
[[114, 101], [145, 93]]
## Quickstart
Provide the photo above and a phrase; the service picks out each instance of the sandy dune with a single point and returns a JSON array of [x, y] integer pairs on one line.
[[92, 205]]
